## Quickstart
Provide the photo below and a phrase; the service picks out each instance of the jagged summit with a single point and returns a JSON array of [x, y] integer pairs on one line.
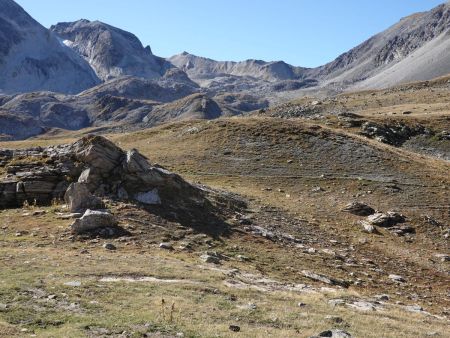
[[199, 67], [32, 58], [111, 52]]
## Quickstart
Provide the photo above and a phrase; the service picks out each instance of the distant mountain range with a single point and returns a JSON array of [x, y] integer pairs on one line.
[[87, 73]]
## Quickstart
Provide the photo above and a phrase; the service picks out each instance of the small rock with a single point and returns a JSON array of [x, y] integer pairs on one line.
[[324, 279], [210, 259], [367, 227], [334, 319], [185, 246], [363, 306], [234, 328], [397, 278], [334, 334], [358, 208], [414, 308], [242, 258], [109, 246], [401, 230], [166, 246], [443, 257], [69, 216], [73, 283], [382, 297], [336, 302], [386, 219]]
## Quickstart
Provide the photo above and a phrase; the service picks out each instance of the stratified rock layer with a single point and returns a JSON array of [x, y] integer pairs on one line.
[[40, 175]]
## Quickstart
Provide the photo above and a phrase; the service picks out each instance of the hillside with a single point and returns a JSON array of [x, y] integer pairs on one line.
[[291, 253], [397, 49]]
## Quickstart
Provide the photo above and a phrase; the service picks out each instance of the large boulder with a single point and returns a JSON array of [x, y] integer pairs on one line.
[[99, 153], [78, 198], [92, 220]]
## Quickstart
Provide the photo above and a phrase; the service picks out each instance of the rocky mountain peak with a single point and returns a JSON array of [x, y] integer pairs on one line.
[[32, 58], [110, 51]]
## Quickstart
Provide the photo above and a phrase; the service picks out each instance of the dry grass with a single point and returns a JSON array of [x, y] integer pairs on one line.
[[36, 266]]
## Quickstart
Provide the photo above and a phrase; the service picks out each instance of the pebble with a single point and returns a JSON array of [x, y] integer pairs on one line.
[[166, 246], [397, 278], [109, 246], [234, 328]]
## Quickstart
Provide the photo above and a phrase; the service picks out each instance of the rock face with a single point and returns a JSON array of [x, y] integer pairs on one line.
[[98, 167], [78, 198], [110, 51], [39, 182], [32, 58]]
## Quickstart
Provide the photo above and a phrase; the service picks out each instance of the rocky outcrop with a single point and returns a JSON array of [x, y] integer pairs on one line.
[[97, 167], [395, 134], [38, 175]]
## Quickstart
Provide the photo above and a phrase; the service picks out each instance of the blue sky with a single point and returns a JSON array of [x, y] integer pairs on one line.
[[301, 32]]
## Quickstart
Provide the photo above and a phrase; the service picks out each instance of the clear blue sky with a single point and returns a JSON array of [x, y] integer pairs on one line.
[[301, 32]]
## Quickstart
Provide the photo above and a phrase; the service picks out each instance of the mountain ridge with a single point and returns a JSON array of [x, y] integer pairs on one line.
[[100, 71], [32, 58]]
